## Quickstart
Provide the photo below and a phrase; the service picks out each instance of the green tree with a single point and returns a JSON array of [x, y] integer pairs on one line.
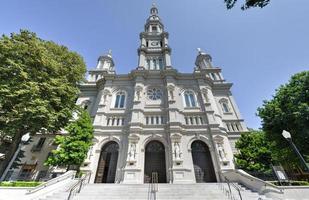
[[288, 110], [38, 86], [254, 152], [74, 146], [248, 4]]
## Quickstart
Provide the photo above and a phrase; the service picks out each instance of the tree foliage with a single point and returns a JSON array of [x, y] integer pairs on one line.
[[74, 146], [38, 84], [254, 152], [288, 110], [248, 4]]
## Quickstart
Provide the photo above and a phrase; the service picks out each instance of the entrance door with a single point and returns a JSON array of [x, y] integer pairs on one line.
[[107, 165], [203, 166], [155, 161]]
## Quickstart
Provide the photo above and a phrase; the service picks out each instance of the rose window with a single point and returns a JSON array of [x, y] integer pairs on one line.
[[154, 94]]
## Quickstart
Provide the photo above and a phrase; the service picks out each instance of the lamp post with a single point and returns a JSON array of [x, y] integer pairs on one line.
[[288, 137]]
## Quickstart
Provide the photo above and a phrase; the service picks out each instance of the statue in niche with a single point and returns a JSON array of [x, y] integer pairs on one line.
[[221, 152], [205, 95], [103, 99], [170, 89], [171, 95], [132, 152], [137, 95], [177, 150]]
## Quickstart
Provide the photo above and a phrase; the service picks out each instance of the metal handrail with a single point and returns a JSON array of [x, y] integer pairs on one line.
[[76, 188], [229, 183], [67, 175], [153, 186]]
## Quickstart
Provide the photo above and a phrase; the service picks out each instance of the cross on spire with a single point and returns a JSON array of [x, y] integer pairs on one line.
[[154, 9]]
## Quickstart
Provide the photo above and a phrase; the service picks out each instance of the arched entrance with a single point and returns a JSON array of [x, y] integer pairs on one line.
[[203, 166], [107, 165], [155, 161]]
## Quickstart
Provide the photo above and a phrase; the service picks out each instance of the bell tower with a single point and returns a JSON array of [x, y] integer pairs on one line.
[[154, 52]]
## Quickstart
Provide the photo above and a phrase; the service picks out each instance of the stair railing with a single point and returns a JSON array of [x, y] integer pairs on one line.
[[68, 175], [229, 192], [152, 194], [76, 188]]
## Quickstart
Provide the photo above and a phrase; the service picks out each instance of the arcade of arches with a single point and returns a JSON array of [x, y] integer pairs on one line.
[[155, 161]]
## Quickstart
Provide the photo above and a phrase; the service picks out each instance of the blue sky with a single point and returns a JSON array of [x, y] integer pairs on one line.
[[257, 49]]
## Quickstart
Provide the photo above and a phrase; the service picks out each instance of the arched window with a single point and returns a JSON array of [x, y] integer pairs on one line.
[[225, 105], [190, 99], [120, 100]]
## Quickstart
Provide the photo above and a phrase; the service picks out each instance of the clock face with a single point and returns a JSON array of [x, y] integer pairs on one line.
[[155, 43]]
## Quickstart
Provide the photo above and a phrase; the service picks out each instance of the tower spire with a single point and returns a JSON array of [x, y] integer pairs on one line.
[[154, 52], [203, 60]]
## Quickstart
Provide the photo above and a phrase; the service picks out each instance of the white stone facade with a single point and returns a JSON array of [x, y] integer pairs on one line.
[[154, 119], [155, 102]]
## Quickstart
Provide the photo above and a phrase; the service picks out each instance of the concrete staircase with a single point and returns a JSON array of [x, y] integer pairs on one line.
[[60, 194], [247, 193], [201, 191]]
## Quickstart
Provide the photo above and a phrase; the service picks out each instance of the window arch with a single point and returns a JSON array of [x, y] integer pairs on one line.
[[225, 105], [120, 99], [190, 100]]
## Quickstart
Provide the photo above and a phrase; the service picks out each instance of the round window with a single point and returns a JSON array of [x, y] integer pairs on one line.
[[154, 94]]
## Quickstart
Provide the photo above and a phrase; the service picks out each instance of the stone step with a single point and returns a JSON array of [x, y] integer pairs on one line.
[[202, 191]]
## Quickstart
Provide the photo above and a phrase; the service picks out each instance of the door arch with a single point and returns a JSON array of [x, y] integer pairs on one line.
[[202, 162], [107, 164], [155, 161]]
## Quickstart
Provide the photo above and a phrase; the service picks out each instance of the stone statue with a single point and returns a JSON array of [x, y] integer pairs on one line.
[[205, 94], [103, 99], [171, 94], [137, 95], [132, 152], [177, 150], [221, 152], [170, 89]]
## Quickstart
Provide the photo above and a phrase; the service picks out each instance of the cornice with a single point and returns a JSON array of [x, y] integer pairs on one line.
[[149, 35]]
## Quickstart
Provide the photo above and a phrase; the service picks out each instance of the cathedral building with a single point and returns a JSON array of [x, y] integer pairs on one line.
[[181, 126], [154, 120]]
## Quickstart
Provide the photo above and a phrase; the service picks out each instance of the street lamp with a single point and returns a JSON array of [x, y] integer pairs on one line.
[[288, 137]]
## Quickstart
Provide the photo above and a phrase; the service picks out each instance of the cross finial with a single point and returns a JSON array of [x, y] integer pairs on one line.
[[109, 53], [154, 10]]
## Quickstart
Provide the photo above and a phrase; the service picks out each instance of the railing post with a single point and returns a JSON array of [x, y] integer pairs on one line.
[[78, 186], [153, 185], [228, 183]]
